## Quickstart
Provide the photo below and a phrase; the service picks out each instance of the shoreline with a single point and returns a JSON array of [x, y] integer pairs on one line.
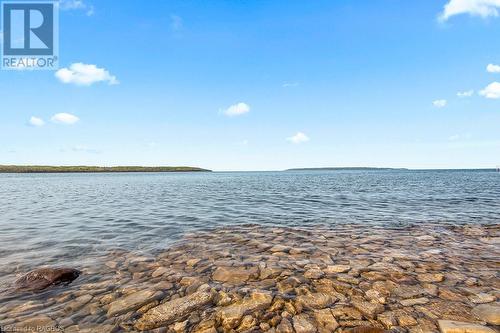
[[93, 169], [283, 279]]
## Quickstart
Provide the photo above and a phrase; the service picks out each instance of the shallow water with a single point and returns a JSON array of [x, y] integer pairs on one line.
[[67, 218], [142, 222]]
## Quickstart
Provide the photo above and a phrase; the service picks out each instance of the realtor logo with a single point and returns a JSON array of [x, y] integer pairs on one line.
[[30, 35]]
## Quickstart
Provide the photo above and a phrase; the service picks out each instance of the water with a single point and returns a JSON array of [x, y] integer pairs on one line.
[[64, 217], [168, 233]]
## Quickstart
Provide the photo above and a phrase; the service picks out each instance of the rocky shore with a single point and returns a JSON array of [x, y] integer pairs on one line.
[[423, 278]]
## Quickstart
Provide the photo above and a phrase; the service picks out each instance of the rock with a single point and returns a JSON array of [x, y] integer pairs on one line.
[[41, 323], [175, 310], [314, 273], [325, 320], [247, 322], [449, 295], [482, 298], [315, 300], [375, 295], [42, 278], [231, 315], [404, 318], [388, 319], [302, 323], [333, 269], [159, 271], [235, 275], [448, 326], [180, 326], [284, 326], [430, 277], [347, 278], [414, 301], [78, 303], [132, 302], [279, 248], [490, 313], [409, 291], [367, 308], [345, 312], [192, 262], [447, 310], [365, 329]]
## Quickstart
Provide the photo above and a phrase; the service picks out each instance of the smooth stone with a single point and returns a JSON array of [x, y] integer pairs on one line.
[[132, 302], [488, 312], [450, 326], [175, 310], [42, 278]]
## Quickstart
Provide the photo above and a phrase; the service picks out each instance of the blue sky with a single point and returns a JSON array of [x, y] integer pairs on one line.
[[262, 85]]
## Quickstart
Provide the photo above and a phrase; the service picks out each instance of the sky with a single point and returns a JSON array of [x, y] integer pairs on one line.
[[262, 85]]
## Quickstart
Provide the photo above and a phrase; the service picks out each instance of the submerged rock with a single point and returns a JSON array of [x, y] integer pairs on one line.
[[132, 302], [42, 278], [449, 326], [488, 312], [365, 329], [175, 310], [231, 315]]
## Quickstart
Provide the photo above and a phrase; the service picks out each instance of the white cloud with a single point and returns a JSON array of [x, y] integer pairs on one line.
[[493, 68], [85, 75], [482, 8], [299, 137], [65, 118], [237, 109], [76, 5], [290, 84], [35, 121], [440, 103], [491, 91], [454, 137], [467, 93]]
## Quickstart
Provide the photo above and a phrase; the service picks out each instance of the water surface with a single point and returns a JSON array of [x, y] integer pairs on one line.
[[73, 218]]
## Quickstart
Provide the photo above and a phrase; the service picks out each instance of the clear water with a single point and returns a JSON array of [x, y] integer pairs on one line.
[[67, 219]]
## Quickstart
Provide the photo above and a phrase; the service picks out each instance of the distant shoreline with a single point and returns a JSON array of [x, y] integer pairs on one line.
[[94, 169], [344, 168]]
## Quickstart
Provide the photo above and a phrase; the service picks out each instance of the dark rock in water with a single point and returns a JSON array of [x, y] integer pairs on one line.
[[42, 278]]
